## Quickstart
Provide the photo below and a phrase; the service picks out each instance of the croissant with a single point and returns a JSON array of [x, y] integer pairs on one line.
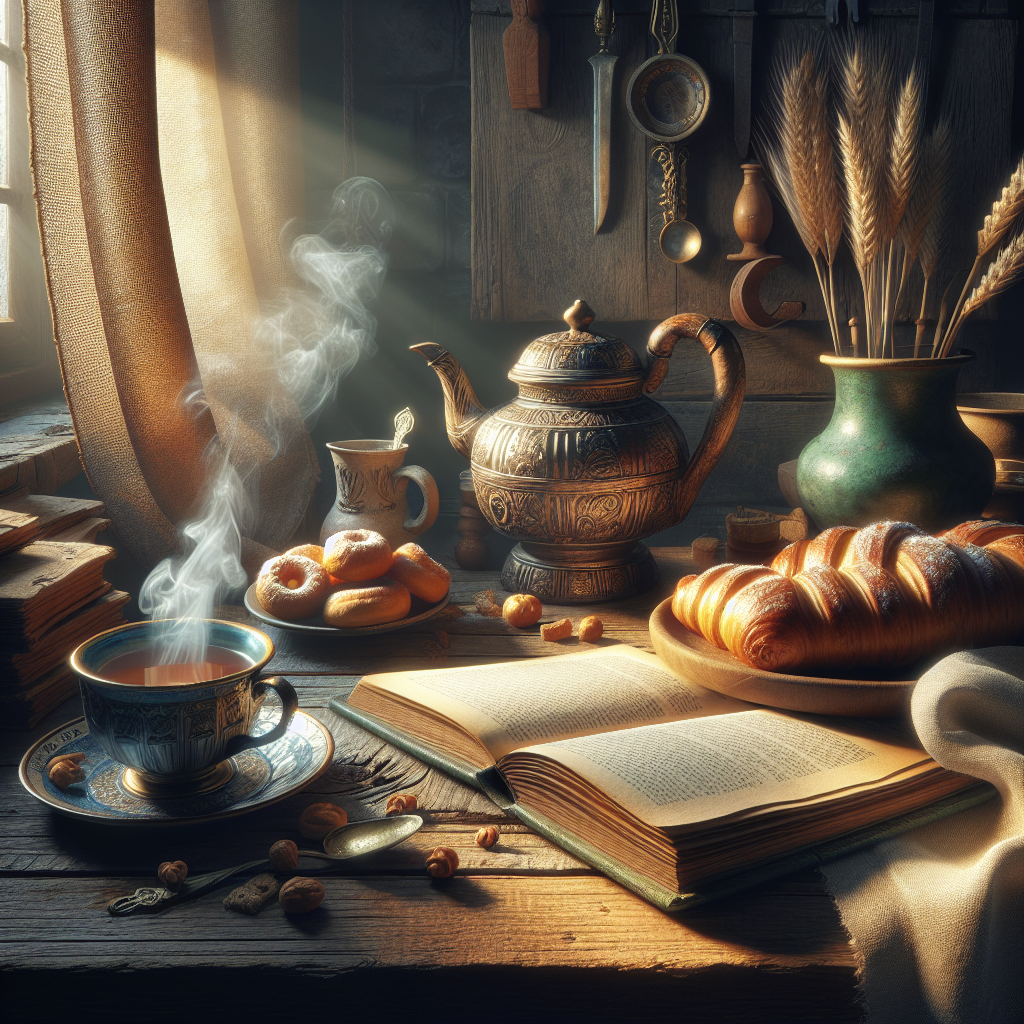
[[887, 594]]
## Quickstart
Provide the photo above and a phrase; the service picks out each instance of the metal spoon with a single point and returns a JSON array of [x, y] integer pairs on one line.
[[679, 240], [353, 840]]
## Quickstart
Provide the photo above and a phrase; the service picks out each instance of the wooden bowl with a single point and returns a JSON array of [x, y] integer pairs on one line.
[[692, 657]]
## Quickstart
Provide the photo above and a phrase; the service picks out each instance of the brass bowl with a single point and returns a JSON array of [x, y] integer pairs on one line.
[[669, 97]]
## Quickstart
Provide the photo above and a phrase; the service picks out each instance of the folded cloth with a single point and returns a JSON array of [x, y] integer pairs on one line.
[[938, 913]]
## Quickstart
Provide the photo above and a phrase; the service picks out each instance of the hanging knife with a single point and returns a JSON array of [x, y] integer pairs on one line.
[[603, 64]]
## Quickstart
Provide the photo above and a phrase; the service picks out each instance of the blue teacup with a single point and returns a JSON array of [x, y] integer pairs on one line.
[[176, 738]]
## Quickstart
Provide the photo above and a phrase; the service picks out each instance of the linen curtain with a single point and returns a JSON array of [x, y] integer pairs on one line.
[[166, 154]]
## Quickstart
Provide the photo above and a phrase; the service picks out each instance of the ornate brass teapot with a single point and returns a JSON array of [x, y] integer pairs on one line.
[[582, 464]]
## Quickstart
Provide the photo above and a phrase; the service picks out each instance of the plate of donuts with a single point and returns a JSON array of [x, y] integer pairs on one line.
[[355, 585], [419, 612]]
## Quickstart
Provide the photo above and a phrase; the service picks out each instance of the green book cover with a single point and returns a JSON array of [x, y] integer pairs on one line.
[[490, 782]]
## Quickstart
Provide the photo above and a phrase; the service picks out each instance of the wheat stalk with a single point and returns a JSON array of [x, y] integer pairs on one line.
[[864, 146], [1005, 211], [924, 221], [1005, 270], [904, 150], [802, 166]]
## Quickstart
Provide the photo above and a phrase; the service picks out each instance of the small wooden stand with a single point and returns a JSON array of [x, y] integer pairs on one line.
[[471, 551], [752, 219]]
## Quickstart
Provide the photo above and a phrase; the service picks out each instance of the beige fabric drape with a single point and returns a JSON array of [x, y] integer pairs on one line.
[[159, 249]]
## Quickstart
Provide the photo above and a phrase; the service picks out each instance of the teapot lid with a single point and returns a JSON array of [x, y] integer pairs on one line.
[[576, 356]]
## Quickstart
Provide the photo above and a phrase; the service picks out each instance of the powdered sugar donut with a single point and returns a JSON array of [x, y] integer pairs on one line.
[[292, 587], [357, 555]]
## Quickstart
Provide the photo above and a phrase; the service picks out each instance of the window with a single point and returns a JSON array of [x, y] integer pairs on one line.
[[28, 359]]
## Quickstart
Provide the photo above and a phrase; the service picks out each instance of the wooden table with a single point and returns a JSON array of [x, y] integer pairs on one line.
[[524, 932]]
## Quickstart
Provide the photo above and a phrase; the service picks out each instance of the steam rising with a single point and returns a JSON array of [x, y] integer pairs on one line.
[[312, 338]]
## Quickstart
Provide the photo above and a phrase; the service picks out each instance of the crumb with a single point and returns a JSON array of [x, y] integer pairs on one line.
[[559, 630]]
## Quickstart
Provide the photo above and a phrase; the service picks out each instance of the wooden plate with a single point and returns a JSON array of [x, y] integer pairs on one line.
[[421, 611], [692, 657]]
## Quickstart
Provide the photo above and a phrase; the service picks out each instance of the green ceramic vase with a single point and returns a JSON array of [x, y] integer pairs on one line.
[[896, 448]]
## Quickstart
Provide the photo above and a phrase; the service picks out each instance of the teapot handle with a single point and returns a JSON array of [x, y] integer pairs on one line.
[[730, 380]]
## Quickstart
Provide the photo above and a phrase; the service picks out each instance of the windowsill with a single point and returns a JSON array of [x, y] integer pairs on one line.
[[38, 450]]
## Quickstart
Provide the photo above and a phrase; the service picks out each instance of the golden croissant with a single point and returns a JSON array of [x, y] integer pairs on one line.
[[887, 594]]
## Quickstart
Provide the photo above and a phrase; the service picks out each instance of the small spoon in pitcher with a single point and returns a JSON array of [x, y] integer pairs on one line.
[[353, 840]]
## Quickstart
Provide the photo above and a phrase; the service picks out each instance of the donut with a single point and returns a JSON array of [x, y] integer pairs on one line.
[[292, 587], [313, 551], [316, 552], [380, 601], [357, 555], [425, 578]]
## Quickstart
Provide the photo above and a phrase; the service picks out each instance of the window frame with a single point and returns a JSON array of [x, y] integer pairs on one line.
[[28, 357]]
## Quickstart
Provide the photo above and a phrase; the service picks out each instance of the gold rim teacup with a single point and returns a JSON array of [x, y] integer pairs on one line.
[[176, 739]]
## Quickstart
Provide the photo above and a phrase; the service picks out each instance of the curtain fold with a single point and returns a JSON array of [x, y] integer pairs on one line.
[[156, 269]]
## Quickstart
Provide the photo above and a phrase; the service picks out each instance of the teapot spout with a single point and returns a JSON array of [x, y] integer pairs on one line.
[[463, 412]]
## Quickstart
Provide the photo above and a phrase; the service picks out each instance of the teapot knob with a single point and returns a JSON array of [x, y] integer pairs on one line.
[[579, 315]]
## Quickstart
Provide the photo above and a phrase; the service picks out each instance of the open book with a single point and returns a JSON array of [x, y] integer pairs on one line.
[[678, 792]]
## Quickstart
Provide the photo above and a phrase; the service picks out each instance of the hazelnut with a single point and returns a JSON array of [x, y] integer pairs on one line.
[[319, 819], [590, 629], [300, 895], [76, 757], [487, 836], [400, 803], [484, 601], [521, 610], [284, 855], [556, 630], [65, 773], [442, 862], [172, 874]]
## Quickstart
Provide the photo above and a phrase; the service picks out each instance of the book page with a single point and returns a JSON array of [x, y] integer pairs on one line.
[[520, 703], [685, 772]]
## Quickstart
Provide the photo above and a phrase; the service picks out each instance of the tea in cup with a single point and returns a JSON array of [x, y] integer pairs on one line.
[[174, 726]]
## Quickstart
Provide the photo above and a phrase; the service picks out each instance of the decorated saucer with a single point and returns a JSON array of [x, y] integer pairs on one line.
[[260, 777]]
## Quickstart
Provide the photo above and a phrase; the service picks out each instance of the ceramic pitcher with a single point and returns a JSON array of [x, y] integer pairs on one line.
[[371, 492]]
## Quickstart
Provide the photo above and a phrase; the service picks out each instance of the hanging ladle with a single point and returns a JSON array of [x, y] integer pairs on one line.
[[356, 839], [669, 97]]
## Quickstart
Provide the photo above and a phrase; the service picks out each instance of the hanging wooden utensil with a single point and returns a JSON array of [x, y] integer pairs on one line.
[[527, 56]]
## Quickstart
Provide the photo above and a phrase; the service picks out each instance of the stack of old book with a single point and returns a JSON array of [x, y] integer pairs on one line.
[[52, 598]]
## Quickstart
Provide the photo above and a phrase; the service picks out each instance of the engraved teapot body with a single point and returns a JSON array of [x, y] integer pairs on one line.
[[582, 464]]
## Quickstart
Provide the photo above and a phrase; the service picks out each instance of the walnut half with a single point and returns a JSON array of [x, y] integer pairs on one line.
[[300, 895]]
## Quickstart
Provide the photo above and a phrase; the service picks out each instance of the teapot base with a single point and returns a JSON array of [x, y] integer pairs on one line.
[[571, 574]]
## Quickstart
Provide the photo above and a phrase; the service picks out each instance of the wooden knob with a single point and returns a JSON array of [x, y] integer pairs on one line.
[[579, 315], [752, 215]]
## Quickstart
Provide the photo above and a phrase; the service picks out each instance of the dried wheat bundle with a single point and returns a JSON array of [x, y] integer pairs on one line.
[[889, 200]]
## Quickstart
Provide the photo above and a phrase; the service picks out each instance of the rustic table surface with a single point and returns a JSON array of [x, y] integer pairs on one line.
[[524, 931]]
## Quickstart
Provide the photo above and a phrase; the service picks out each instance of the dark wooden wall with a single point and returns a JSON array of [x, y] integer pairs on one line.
[[534, 250]]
